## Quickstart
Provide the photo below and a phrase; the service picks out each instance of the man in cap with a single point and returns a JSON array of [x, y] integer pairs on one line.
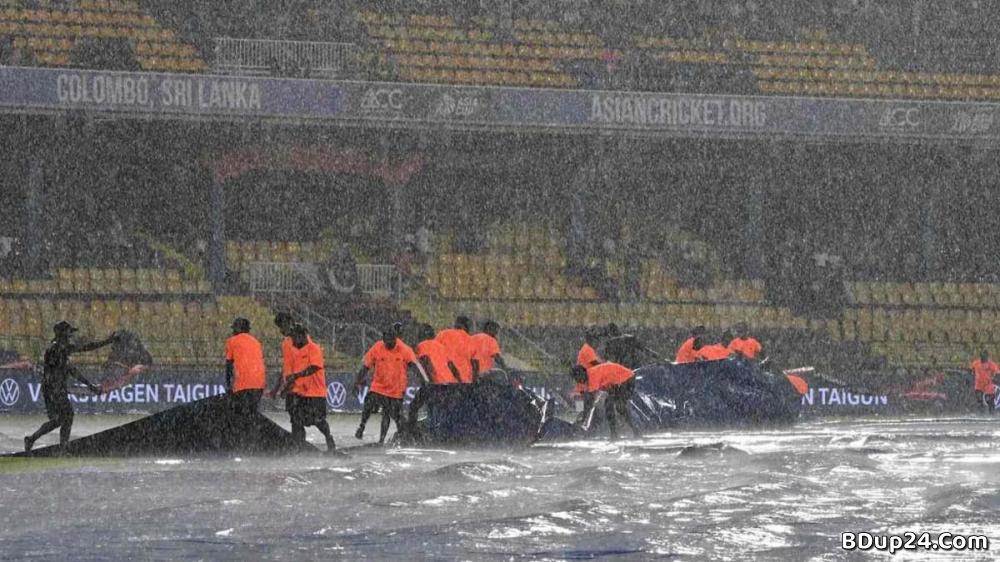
[[57, 369], [246, 375]]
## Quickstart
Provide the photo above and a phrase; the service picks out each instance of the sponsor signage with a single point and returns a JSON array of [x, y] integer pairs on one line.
[[166, 94], [21, 392], [842, 398], [228, 97]]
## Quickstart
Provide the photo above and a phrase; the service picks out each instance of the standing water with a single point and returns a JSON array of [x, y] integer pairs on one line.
[[727, 495]]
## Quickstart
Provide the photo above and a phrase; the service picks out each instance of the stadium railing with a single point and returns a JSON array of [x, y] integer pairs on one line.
[[261, 56], [379, 280]]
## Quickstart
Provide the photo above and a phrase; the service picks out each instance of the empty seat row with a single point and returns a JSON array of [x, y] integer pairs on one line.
[[483, 63], [430, 33], [495, 77], [493, 49], [882, 90], [291, 251], [108, 281], [643, 315]]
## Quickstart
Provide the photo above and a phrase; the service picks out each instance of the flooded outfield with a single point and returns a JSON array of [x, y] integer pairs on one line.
[[722, 495]]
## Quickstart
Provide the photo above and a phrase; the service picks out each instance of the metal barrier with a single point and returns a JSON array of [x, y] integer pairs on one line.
[[282, 277], [312, 59], [377, 279], [292, 277]]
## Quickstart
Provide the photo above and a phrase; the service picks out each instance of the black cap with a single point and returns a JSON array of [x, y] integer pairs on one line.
[[63, 327], [241, 324], [298, 330]]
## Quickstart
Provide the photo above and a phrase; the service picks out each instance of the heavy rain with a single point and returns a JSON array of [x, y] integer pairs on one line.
[[498, 280]]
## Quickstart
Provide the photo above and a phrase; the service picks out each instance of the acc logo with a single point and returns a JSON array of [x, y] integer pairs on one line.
[[899, 118], [10, 391], [336, 394], [381, 98]]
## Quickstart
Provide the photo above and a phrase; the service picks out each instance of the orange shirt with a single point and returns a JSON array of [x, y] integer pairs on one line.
[[437, 355], [458, 342], [713, 352], [748, 347], [686, 352], [286, 355], [587, 357], [984, 375], [248, 362], [485, 348], [389, 366], [600, 377], [800, 384], [309, 355]]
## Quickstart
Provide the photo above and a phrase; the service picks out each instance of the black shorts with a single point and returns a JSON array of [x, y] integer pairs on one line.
[[57, 404], [245, 402], [305, 410], [391, 406], [622, 391]]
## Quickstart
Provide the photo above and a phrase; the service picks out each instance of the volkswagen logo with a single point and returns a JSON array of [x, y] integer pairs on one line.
[[10, 391], [336, 394]]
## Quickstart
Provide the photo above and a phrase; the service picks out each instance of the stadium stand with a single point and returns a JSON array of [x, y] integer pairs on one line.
[[481, 49], [921, 324], [526, 277], [521, 280], [533, 52], [61, 35], [428, 48]]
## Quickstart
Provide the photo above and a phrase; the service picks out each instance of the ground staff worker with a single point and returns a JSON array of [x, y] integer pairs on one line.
[[744, 344], [586, 358], [460, 348], [303, 385], [486, 349], [246, 375], [618, 382], [57, 369], [712, 352], [688, 351], [986, 390], [433, 357], [388, 360]]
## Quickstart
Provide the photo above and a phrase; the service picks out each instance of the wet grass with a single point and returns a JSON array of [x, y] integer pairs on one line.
[[16, 465]]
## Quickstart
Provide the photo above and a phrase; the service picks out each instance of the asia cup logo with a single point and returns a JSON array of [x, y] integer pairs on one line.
[[10, 391], [336, 394]]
